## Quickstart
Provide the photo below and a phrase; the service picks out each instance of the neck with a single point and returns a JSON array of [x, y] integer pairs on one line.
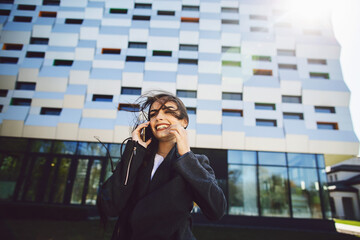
[[165, 147]]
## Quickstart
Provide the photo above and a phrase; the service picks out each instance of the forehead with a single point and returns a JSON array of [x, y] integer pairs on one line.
[[159, 103]]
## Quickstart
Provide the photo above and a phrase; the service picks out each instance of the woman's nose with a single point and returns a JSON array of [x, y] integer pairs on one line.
[[160, 115]]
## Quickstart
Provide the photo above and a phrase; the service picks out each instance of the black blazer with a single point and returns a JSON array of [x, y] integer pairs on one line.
[[160, 208]]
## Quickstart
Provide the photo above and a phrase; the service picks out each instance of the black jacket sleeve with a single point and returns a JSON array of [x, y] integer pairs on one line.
[[117, 189], [196, 171]]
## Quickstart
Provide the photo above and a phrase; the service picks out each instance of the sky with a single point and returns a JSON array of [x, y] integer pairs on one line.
[[346, 26]]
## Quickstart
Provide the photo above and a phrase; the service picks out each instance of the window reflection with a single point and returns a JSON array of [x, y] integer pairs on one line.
[[301, 160], [305, 197], [241, 157], [273, 191], [9, 172], [324, 191], [242, 190], [77, 191], [34, 183], [91, 149], [272, 158], [64, 147], [93, 182]]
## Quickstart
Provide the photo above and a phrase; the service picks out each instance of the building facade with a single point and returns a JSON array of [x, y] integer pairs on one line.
[[263, 87]]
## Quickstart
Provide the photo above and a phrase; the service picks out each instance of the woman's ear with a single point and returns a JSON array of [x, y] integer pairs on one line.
[[184, 123]]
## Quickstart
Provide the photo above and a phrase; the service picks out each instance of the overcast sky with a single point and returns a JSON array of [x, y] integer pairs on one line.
[[346, 24]]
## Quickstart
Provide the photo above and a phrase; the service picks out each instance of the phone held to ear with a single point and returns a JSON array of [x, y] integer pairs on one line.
[[146, 133]]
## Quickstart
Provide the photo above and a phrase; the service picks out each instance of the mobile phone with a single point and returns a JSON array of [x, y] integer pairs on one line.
[[146, 133]]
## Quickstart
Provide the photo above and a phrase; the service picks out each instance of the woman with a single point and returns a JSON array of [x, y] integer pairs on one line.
[[155, 184]]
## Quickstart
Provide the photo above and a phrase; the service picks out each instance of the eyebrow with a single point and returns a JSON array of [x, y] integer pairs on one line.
[[162, 107]]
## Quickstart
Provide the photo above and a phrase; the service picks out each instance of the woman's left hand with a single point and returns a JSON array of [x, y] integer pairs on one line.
[[181, 138]]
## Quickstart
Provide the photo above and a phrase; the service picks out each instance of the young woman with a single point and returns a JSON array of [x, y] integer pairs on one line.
[[153, 188]]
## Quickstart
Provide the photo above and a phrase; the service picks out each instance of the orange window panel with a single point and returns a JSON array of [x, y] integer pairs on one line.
[[263, 72], [111, 51], [189, 19], [47, 14]]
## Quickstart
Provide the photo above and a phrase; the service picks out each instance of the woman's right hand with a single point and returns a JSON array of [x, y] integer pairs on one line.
[[136, 135]]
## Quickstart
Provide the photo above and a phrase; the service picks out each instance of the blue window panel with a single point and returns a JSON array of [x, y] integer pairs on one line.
[[212, 16], [293, 116], [57, 71], [164, 32], [76, 89], [81, 65], [102, 98], [186, 94], [187, 69], [112, 30], [125, 118], [210, 34], [105, 73], [17, 113], [272, 158], [191, 110], [227, 113], [232, 96], [25, 86], [188, 54], [48, 95], [209, 129], [140, 24], [18, 26], [209, 105], [209, 56], [69, 115], [61, 49], [50, 111], [66, 28], [136, 67], [320, 160], [321, 109], [267, 132], [44, 20], [266, 123], [241, 157], [87, 43], [189, 26], [192, 121], [131, 91], [233, 124], [97, 123], [41, 120], [265, 106], [301, 160], [209, 78], [157, 76], [95, 4], [20, 102], [9, 69], [136, 52]]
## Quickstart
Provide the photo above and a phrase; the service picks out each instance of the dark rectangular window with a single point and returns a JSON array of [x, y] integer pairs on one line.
[[130, 91], [188, 61], [287, 66], [12, 46], [73, 21], [9, 60], [262, 72], [143, 5], [295, 116], [259, 29], [25, 86], [4, 12], [20, 102], [162, 53], [118, 10], [30, 54], [135, 59], [232, 96], [111, 51], [141, 18], [261, 58], [232, 112], [317, 61], [266, 122], [41, 41], [230, 49], [327, 126], [190, 8], [137, 45], [22, 19], [47, 14], [229, 10], [191, 110], [265, 106], [230, 21], [102, 98], [128, 107], [190, 19], [6, 1], [1, 108], [50, 111], [3, 92], [258, 17], [319, 75], [291, 99], [51, 2], [320, 109], [188, 47], [186, 93], [285, 52], [231, 63], [166, 13], [58, 62], [25, 7]]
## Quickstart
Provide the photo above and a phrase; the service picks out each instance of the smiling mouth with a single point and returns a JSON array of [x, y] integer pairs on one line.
[[161, 127]]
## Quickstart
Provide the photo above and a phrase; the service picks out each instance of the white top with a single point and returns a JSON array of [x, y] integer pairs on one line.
[[157, 161]]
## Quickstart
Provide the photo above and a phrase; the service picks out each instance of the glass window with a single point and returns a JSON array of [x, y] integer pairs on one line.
[[317, 61], [35, 182], [285, 52], [161, 53], [186, 93], [319, 75], [261, 58], [12, 47], [78, 187], [319, 109], [102, 98], [25, 86], [50, 111], [294, 116], [320, 161], [327, 126], [227, 63], [191, 110], [166, 13], [287, 66], [230, 21], [232, 112], [91, 149], [9, 172], [262, 72], [272, 158], [291, 99], [20, 102], [3, 92], [266, 122], [241, 157], [137, 45], [114, 149], [242, 190], [190, 8], [110, 51], [188, 47], [301, 160], [94, 180], [13, 144], [305, 197], [135, 59], [60, 62], [131, 91], [128, 107], [230, 49], [64, 147], [41, 41], [32, 54], [56, 190], [324, 191], [118, 10], [188, 61], [41, 146], [229, 10], [265, 106], [231, 96], [273, 184], [143, 5]]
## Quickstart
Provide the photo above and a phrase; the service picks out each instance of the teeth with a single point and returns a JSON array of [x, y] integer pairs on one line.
[[161, 127]]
